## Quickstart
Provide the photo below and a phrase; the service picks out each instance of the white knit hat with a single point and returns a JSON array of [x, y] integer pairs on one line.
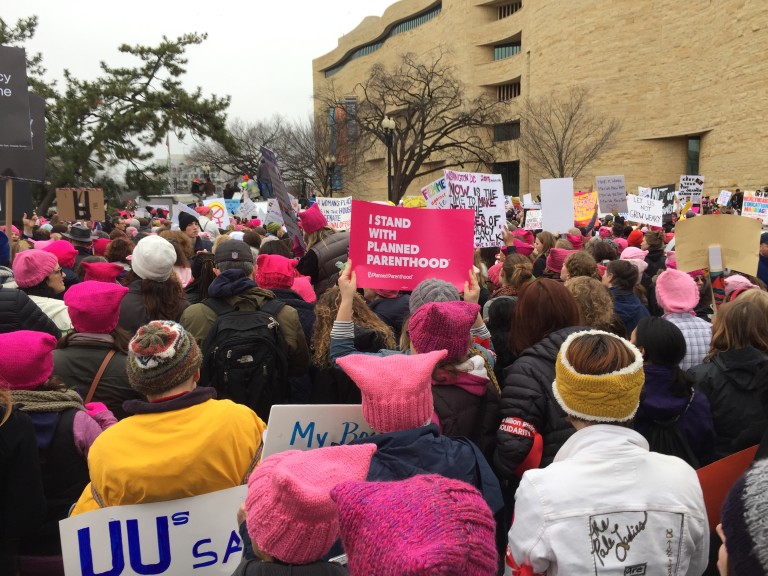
[[153, 259]]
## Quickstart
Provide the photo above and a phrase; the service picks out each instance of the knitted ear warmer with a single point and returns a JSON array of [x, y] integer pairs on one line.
[[610, 397]]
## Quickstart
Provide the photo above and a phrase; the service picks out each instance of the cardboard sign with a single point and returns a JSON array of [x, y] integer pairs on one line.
[[483, 193], [27, 164], [232, 205], [557, 204], [337, 211], [668, 198], [80, 204], [738, 238], [755, 205], [642, 192], [691, 189], [396, 248], [724, 198], [644, 210], [272, 173], [717, 478], [612, 193], [583, 207], [533, 220], [14, 100], [436, 194], [196, 535], [219, 213], [305, 427]]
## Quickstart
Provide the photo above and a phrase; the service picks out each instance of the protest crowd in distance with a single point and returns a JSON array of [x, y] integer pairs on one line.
[[574, 382]]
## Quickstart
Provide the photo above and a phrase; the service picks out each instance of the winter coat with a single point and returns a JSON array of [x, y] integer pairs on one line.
[[762, 269], [258, 568], [407, 453], [134, 315], [629, 308], [733, 382], [56, 310], [319, 263], [19, 312], [243, 294], [201, 244], [305, 310], [392, 311], [78, 363], [528, 407], [657, 262], [658, 403], [186, 446], [539, 265], [608, 505]]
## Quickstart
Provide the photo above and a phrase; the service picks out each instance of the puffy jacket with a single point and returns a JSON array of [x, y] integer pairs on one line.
[[392, 311], [733, 381], [134, 315], [19, 312], [629, 308], [319, 263], [528, 407]]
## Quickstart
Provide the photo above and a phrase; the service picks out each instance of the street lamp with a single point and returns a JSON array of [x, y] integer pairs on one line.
[[389, 130], [330, 165]]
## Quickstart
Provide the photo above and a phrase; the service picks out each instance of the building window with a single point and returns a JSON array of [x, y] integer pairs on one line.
[[506, 10], [508, 91], [503, 51], [510, 176], [507, 131], [694, 150], [416, 21]]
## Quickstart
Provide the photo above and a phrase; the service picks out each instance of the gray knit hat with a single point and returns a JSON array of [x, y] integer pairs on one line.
[[432, 290]]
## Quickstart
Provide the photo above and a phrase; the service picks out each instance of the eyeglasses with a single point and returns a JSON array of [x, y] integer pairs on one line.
[[58, 271]]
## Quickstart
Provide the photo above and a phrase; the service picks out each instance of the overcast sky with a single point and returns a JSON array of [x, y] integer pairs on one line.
[[259, 52]]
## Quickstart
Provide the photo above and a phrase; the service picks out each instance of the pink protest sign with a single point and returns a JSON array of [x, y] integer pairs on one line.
[[396, 248]]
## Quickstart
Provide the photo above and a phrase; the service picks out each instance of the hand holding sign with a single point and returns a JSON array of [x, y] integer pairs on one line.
[[472, 288]]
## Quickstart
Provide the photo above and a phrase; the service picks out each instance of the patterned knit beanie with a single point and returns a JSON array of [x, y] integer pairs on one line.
[[289, 511], [26, 360], [425, 525], [432, 290], [676, 291], [443, 326], [273, 227], [612, 397], [161, 356], [745, 522], [396, 389]]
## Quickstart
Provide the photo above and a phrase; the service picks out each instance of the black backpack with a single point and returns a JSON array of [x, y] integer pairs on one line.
[[244, 356], [665, 438]]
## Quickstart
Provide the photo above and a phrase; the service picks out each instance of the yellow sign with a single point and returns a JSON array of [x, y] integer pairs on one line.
[[414, 202], [583, 207]]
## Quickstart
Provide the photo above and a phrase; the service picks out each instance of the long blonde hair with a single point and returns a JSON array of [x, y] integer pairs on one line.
[[318, 235]]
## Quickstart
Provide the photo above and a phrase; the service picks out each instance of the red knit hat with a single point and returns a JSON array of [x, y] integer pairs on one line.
[[64, 251], [443, 326], [203, 210], [525, 235], [27, 358], [522, 247], [94, 307], [100, 246], [31, 267], [102, 271], [312, 219], [576, 240], [274, 271], [302, 285], [635, 238], [556, 258]]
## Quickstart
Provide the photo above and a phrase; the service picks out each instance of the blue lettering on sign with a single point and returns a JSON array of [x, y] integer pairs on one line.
[[200, 554], [351, 434], [163, 545], [309, 434], [86, 554], [180, 518], [234, 545]]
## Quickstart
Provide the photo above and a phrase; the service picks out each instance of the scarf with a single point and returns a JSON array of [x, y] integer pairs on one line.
[[505, 291], [47, 400]]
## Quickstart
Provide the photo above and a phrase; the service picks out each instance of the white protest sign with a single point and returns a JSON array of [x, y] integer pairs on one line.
[[483, 193], [304, 427], [725, 197], [246, 209], [196, 535], [273, 212], [261, 210], [533, 220], [645, 210], [691, 189], [612, 193], [755, 205], [219, 214], [557, 204], [527, 200], [644, 192], [337, 211], [436, 194], [141, 213], [179, 208]]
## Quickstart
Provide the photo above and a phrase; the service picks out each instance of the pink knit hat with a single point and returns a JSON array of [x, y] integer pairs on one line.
[[290, 514], [577, 240], [605, 232], [31, 267], [94, 307], [302, 285], [396, 389], [522, 247], [312, 219], [556, 258], [676, 291], [621, 244], [27, 358], [494, 272], [254, 223], [132, 231], [525, 235], [100, 246], [102, 271], [632, 253], [275, 271], [737, 282], [64, 251], [671, 261], [425, 525], [203, 210], [443, 326]]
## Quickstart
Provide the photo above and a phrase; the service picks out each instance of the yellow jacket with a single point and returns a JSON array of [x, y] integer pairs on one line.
[[159, 456]]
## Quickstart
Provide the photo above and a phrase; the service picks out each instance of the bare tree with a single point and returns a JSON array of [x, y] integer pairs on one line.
[[437, 125], [560, 134]]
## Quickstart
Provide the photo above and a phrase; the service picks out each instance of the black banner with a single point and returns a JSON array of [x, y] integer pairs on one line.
[[14, 100], [667, 195], [20, 164]]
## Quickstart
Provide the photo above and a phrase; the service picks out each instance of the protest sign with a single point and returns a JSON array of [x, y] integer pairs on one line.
[[219, 214], [413, 202], [304, 427], [527, 200], [436, 194], [612, 193], [181, 207], [755, 205], [533, 220], [644, 210], [483, 193], [262, 209], [668, 198], [718, 478], [80, 204], [583, 207], [272, 174], [738, 238], [691, 189], [28, 164], [337, 211], [724, 198], [232, 205], [642, 192], [557, 204], [273, 212], [14, 99], [396, 248], [197, 535], [246, 209]]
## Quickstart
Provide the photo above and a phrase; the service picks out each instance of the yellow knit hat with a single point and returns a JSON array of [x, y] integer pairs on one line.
[[610, 397]]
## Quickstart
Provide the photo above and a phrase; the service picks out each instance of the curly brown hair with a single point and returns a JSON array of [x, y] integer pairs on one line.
[[581, 264], [119, 249], [181, 243], [594, 300]]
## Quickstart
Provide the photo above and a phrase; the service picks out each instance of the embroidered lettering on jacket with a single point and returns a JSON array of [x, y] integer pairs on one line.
[[518, 427]]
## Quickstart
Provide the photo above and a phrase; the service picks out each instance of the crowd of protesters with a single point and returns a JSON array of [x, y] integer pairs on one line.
[[548, 418]]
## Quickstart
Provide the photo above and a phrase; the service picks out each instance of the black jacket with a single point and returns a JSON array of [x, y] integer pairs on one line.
[[133, 314], [305, 309], [392, 311], [259, 568], [19, 312], [733, 381], [527, 401]]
